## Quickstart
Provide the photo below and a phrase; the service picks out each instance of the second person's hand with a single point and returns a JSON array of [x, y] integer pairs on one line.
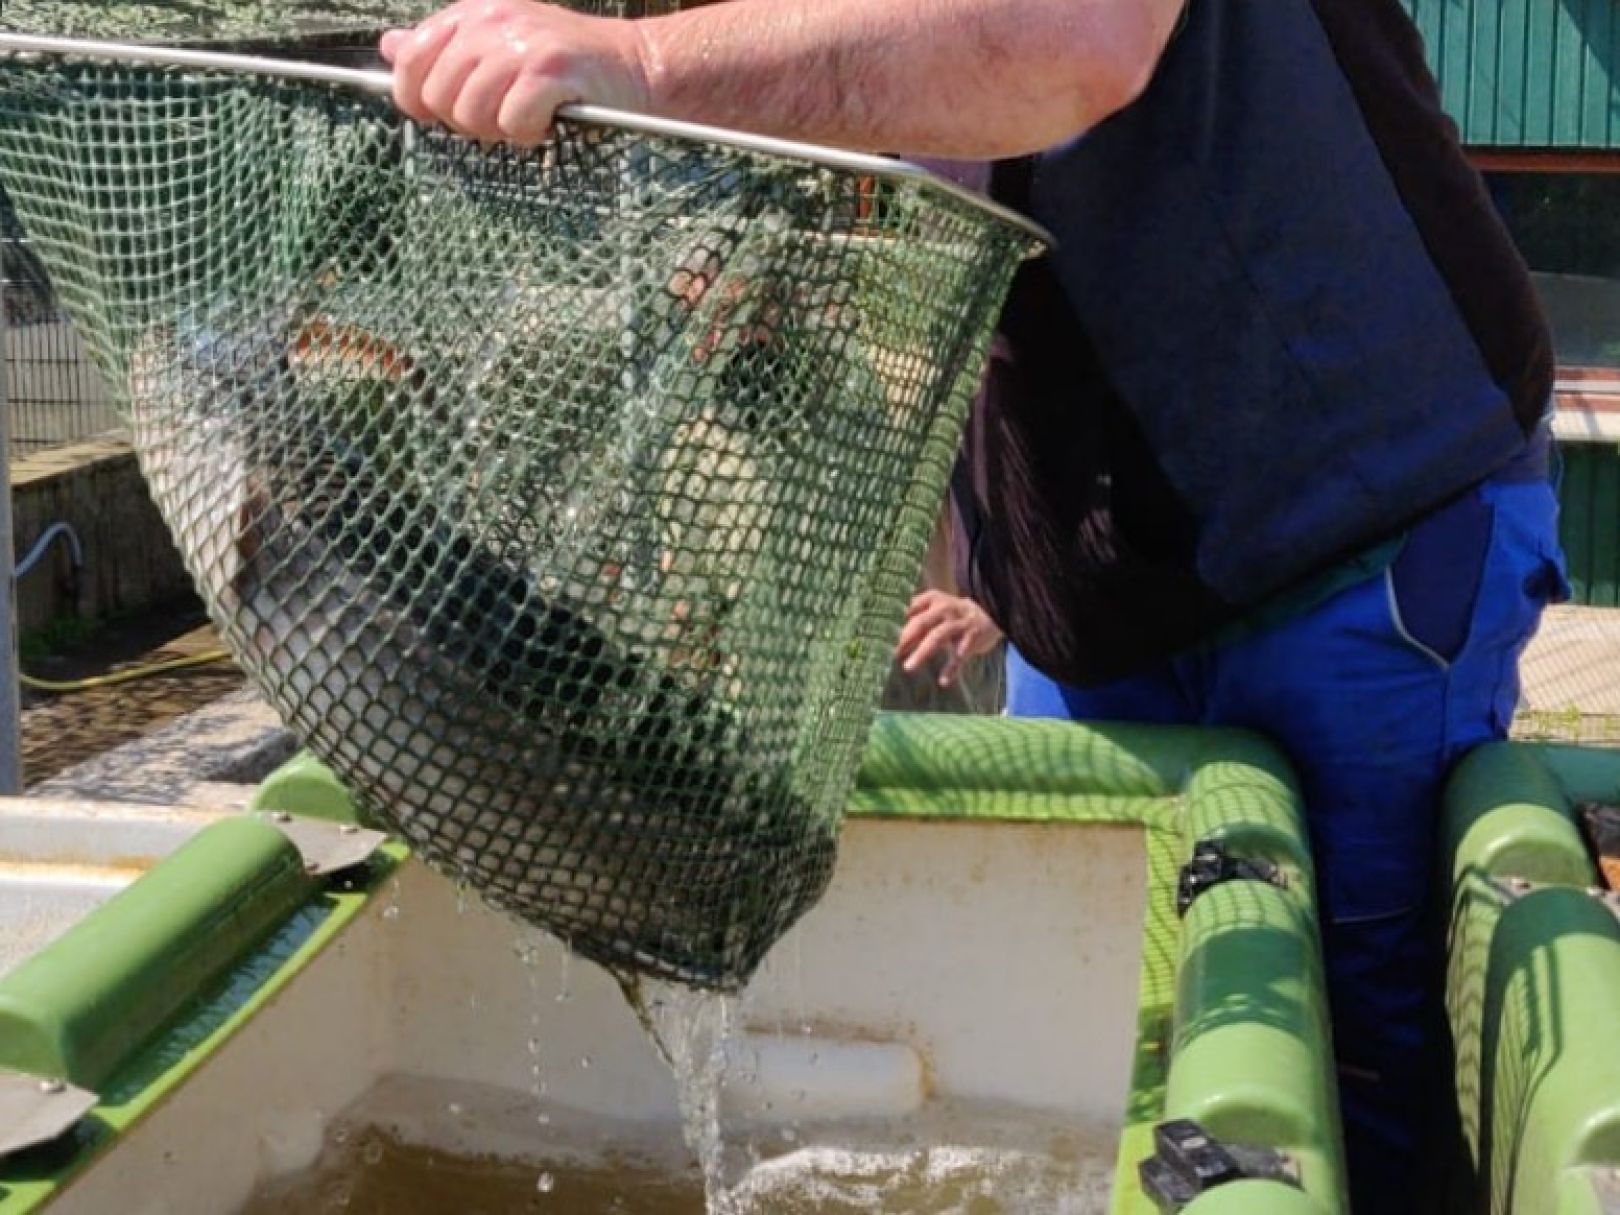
[[939, 623]]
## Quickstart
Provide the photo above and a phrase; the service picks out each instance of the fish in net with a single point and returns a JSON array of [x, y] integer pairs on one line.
[[564, 502]]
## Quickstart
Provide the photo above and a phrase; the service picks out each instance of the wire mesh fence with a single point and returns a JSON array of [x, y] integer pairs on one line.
[[53, 392], [1569, 676], [1571, 669]]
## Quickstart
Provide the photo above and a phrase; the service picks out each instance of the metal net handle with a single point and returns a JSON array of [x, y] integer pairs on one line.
[[381, 83]]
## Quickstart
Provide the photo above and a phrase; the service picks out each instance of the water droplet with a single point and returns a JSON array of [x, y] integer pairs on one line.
[[340, 1135], [585, 1062], [372, 1153], [546, 1183], [391, 913], [534, 1046], [543, 1119], [455, 1109]]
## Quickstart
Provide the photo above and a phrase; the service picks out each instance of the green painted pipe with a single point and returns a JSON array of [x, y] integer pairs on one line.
[[1586, 1192], [1022, 769], [1255, 1198], [1251, 1052], [1248, 799], [1533, 980], [960, 753], [1552, 1078], [79, 1008], [1476, 907], [1587, 774], [1506, 813], [1252, 1058]]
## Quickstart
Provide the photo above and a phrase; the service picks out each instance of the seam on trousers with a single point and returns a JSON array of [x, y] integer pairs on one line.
[[1372, 917], [1400, 624]]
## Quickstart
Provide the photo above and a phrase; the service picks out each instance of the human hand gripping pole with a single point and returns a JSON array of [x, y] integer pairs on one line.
[[487, 69]]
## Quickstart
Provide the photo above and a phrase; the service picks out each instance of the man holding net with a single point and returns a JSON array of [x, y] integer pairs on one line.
[[1263, 442]]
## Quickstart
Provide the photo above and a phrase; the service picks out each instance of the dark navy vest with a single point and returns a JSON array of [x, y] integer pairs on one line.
[[1282, 322]]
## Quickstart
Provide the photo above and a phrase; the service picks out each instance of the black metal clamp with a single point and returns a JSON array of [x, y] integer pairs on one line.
[[1210, 866], [1188, 1161]]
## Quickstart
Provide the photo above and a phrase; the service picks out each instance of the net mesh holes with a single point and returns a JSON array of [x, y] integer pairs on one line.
[[565, 503]]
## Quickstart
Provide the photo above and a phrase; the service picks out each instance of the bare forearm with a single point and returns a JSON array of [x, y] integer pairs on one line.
[[964, 78], [972, 79]]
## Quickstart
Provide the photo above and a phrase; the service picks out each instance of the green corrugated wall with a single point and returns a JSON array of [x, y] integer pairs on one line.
[[1589, 521], [1543, 74], [1527, 73]]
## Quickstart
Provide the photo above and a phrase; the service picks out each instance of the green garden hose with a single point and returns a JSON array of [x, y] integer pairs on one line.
[[117, 677]]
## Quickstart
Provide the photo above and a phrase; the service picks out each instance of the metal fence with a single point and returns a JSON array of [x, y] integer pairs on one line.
[[53, 392]]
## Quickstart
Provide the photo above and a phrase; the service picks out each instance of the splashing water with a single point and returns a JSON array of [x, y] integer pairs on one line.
[[1018, 1166], [943, 1160], [691, 1028]]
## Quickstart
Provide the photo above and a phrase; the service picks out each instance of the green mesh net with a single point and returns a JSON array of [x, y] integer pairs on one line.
[[281, 26], [288, 24], [565, 503]]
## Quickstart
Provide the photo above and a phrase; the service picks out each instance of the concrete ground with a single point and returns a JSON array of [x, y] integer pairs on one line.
[[61, 730], [1571, 675]]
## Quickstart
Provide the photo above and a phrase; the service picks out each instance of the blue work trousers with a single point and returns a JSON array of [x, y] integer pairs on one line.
[[1374, 694]]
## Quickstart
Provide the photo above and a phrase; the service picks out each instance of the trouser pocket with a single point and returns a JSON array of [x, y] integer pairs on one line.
[[1434, 583]]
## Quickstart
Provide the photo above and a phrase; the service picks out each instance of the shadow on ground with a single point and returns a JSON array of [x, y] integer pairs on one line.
[[59, 731]]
